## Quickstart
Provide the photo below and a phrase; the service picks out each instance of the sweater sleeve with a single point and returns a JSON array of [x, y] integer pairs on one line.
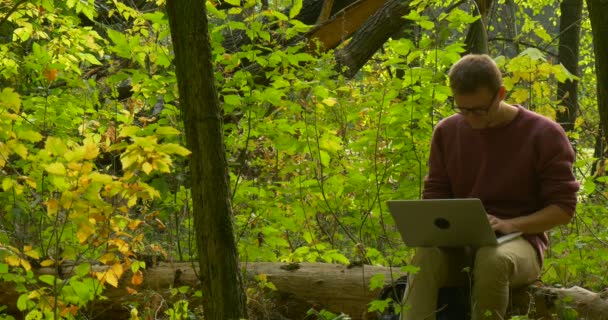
[[437, 182], [558, 186]]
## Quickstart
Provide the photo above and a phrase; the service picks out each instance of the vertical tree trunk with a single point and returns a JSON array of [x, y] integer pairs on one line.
[[599, 25], [568, 53], [477, 37], [223, 295]]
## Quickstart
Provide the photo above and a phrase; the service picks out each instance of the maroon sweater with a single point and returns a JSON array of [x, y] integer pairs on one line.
[[515, 170]]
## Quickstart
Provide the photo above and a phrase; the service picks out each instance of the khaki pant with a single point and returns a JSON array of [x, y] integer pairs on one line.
[[496, 269]]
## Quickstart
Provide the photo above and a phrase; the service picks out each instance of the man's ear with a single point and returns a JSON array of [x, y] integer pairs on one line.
[[502, 93]]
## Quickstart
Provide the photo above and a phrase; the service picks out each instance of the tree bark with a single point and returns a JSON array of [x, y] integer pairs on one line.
[[568, 53], [223, 295], [325, 11], [477, 37], [309, 14], [344, 24], [370, 37], [370, 33], [599, 26]]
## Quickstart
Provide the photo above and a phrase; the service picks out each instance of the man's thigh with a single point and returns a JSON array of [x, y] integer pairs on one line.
[[516, 259], [453, 264]]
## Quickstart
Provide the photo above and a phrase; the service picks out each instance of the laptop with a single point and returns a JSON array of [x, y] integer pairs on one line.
[[444, 223]]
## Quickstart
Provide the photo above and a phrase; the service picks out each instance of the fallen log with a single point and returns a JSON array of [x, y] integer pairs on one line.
[[300, 287]]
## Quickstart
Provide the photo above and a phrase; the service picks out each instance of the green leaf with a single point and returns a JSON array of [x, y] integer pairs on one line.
[[129, 131], [166, 131], [233, 2], [377, 281], [7, 184], [321, 92], [379, 305], [232, 99], [83, 269], [55, 146], [156, 17], [308, 237], [22, 302], [90, 58], [173, 148], [295, 9], [56, 168], [121, 45], [533, 53], [102, 178], [589, 186], [338, 257], [29, 135], [325, 158], [3, 268], [426, 24], [48, 279]]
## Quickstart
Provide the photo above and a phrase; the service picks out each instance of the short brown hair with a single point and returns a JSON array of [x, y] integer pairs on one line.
[[475, 71]]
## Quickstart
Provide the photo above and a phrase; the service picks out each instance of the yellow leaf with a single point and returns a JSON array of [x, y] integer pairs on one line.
[[91, 151], [34, 294], [47, 263], [111, 278], [74, 155], [262, 277], [519, 95], [121, 245], [56, 168], [13, 261], [7, 184], [132, 201], [30, 182], [330, 102], [118, 270], [10, 99], [146, 167], [52, 206], [133, 224], [17, 148], [32, 253], [25, 264], [107, 258], [113, 274], [85, 230]]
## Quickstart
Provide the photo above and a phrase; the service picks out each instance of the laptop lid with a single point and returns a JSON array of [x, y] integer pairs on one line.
[[442, 222]]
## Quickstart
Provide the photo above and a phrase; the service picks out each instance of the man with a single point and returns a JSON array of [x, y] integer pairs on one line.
[[519, 164]]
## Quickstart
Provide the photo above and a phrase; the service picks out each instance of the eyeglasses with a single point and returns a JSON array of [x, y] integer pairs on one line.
[[478, 111]]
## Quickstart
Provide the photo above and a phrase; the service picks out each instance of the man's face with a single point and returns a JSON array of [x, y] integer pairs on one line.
[[478, 108]]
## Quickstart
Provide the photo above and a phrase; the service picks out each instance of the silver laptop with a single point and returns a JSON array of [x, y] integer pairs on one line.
[[444, 223]]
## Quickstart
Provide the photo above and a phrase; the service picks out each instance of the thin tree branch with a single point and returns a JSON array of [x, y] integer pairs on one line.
[[325, 11], [11, 11], [525, 44]]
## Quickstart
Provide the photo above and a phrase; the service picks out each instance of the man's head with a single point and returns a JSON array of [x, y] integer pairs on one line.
[[476, 84], [473, 72]]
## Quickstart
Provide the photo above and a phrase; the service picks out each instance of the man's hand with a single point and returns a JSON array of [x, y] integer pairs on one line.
[[501, 225]]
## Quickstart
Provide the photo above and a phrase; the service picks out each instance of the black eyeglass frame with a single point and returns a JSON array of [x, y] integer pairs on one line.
[[476, 110]]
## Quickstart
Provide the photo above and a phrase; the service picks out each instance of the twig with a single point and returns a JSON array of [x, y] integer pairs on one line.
[[525, 44], [11, 11]]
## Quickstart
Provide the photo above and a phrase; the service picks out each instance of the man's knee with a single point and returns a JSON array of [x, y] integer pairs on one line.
[[429, 258], [492, 260]]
